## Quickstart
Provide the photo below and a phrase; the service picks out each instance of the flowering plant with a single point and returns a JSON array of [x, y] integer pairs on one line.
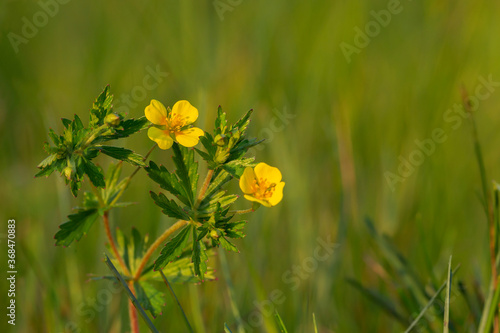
[[204, 219]]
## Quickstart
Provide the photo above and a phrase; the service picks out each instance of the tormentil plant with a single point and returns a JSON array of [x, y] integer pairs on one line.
[[204, 218]]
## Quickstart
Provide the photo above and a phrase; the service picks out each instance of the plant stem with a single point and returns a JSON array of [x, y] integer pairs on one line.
[[177, 301], [206, 183], [245, 211], [134, 323], [179, 224], [113, 244]]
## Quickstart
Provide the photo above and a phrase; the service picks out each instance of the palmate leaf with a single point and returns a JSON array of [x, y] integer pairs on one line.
[[170, 207], [150, 298], [173, 248], [168, 181], [77, 226], [123, 154]]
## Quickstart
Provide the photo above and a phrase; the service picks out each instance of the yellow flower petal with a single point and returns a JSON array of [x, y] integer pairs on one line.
[[272, 174], [189, 137], [262, 202], [186, 111], [246, 181], [156, 112], [277, 195], [163, 140]]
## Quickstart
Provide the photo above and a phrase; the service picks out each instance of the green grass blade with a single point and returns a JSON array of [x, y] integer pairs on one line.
[[429, 304], [188, 325], [281, 325], [446, 320], [490, 308], [130, 295], [383, 302], [314, 322], [230, 291], [226, 329]]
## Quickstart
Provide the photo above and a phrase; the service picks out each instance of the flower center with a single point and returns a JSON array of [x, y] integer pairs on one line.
[[263, 189], [175, 123]]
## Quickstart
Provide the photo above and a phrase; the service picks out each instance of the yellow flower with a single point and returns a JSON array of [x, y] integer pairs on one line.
[[262, 184], [173, 124]]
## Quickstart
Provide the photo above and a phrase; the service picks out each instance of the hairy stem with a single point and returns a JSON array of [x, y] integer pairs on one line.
[[179, 224], [112, 243], [245, 211], [206, 183], [134, 323]]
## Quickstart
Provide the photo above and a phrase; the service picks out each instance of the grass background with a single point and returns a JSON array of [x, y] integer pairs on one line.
[[351, 122]]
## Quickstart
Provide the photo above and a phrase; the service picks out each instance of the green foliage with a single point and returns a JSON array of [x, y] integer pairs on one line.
[[72, 152], [173, 248], [77, 226]]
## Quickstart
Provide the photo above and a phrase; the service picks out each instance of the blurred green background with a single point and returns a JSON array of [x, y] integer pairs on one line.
[[334, 128]]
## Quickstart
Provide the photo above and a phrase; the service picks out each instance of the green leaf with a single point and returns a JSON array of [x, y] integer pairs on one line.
[[280, 323], [150, 298], [227, 245], [77, 226], [243, 122], [217, 182], [100, 108], [183, 161], [123, 154], [173, 248], [199, 256], [226, 329], [94, 173], [236, 167], [446, 320], [167, 181], [217, 199], [220, 122], [170, 207], [127, 128]]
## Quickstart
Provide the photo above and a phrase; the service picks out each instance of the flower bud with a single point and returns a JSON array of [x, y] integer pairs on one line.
[[112, 120]]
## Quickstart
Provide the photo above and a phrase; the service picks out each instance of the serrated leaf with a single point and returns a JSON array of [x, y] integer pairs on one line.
[[56, 139], [47, 161], [199, 256], [77, 226], [127, 128], [150, 298], [94, 173], [243, 122], [183, 165], [170, 207], [242, 147], [173, 248], [100, 108], [167, 181], [123, 154], [223, 201], [217, 182], [66, 122], [220, 122], [227, 245], [236, 167], [113, 174], [77, 123]]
